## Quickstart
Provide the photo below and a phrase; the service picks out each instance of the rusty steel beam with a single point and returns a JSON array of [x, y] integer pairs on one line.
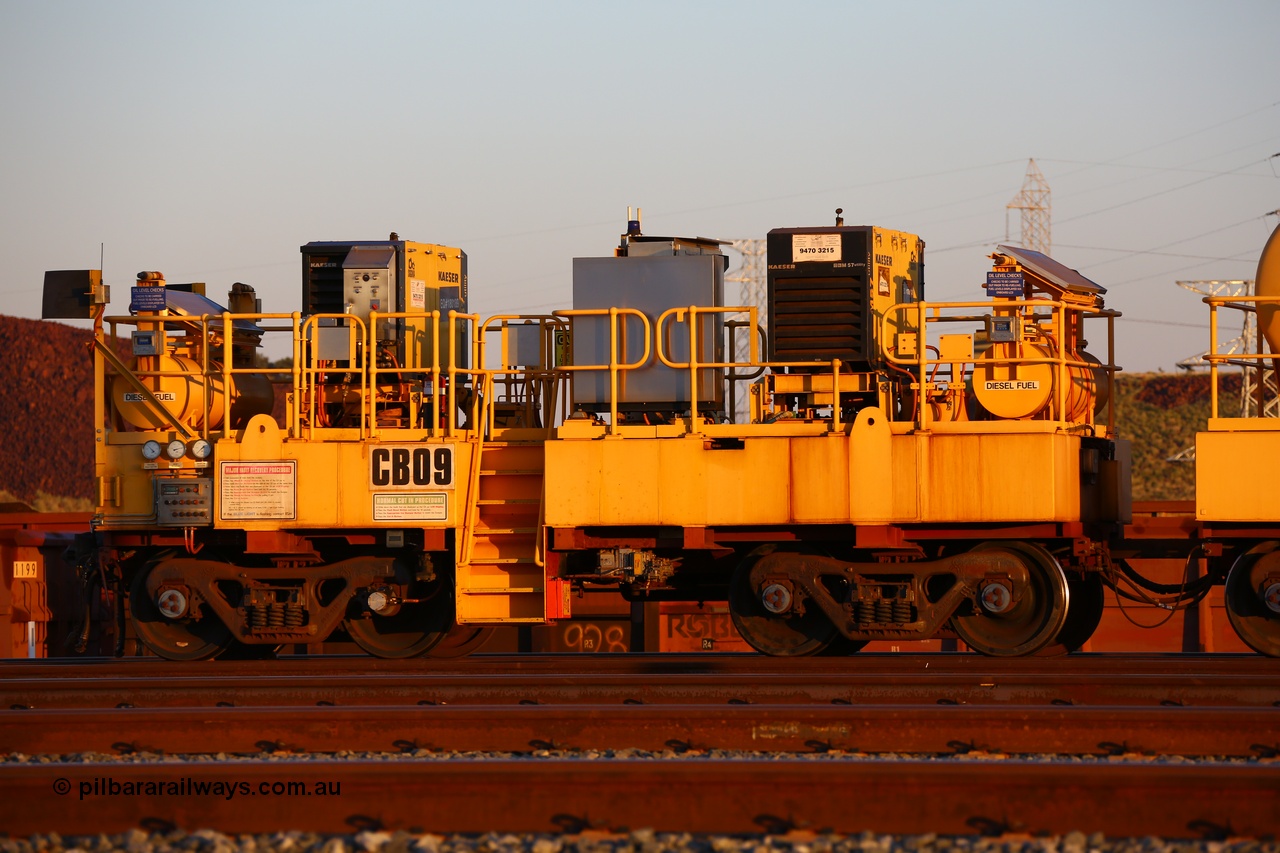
[[1155, 730], [1213, 801]]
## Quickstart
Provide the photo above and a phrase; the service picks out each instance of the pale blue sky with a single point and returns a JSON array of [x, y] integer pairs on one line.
[[210, 140]]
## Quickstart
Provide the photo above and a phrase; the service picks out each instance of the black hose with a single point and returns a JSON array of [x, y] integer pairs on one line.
[[83, 642], [1180, 589]]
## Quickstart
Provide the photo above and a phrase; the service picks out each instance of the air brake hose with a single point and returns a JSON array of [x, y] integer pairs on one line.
[[1193, 587]]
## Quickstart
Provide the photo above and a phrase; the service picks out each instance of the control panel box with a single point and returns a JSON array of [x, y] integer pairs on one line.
[[369, 284], [184, 502]]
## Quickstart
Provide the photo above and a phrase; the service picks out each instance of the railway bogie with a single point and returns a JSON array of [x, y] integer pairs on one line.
[[413, 475]]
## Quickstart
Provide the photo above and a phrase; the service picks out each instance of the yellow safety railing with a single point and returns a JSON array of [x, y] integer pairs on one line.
[[195, 339], [927, 313], [211, 341], [690, 314], [358, 354], [693, 365], [615, 367], [484, 387], [733, 376], [521, 382], [476, 374], [1247, 361], [433, 370]]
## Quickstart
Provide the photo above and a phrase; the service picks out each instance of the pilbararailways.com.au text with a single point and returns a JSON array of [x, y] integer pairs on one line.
[[105, 786]]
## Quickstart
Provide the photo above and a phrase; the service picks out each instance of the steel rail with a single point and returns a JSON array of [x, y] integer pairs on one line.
[[209, 686], [1078, 730], [750, 796], [665, 663]]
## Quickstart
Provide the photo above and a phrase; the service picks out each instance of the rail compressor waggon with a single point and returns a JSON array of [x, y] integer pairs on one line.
[[1237, 510], [851, 463]]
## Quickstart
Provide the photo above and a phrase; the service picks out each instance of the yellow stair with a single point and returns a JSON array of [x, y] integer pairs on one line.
[[498, 578]]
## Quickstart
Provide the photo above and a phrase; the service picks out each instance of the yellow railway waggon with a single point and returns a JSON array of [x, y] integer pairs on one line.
[[1237, 509], [851, 463]]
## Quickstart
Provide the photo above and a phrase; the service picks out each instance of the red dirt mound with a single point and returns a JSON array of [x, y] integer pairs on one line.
[[46, 409]]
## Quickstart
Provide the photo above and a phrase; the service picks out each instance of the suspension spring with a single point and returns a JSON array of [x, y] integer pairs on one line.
[[902, 610], [866, 611], [884, 610]]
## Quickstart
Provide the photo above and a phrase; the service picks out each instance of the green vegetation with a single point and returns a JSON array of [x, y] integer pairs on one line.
[[1160, 414]]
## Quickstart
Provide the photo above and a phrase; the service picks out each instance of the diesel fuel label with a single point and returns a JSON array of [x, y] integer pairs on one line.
[[162, 396], [258, 490], [815, 247], [1024, 385]]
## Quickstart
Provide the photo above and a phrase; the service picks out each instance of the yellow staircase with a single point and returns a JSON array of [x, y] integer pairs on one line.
[[499, 579]]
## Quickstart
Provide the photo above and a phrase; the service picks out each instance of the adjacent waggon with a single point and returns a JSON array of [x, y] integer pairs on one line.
[[853, 463]]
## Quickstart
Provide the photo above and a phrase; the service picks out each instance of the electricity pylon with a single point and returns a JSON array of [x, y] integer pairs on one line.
[[750, 275], [1037, 211]]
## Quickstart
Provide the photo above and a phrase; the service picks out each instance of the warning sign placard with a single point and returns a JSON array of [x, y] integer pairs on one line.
[[430, 506], [258, 490], [1005, 284]]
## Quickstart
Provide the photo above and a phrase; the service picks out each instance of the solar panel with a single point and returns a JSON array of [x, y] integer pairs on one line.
[[1052, 271]]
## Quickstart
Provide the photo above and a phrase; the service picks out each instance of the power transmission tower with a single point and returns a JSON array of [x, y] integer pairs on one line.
[[750, 275], [1037, 211]]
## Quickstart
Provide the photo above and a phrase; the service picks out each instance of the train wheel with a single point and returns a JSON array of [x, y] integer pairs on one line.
[[461, 641], [1253, 601], [183, 638], [789, 634], [1088, 599], [1022, 617], [412, 630]]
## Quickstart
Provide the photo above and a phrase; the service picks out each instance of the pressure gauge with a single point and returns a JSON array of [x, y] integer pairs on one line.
[[176, 449], [151, 450], [200, 449]]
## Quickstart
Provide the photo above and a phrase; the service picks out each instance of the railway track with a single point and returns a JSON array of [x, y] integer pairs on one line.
[[947, 730], [893, 743], [1187, 680]]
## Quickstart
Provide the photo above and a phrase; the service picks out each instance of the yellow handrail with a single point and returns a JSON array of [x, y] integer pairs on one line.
[[310, 371], [1247, 304], [614, 366], [1058, 358], [473, 477]]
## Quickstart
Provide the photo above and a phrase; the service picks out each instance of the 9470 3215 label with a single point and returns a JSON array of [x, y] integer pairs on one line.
[[816, 247]]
